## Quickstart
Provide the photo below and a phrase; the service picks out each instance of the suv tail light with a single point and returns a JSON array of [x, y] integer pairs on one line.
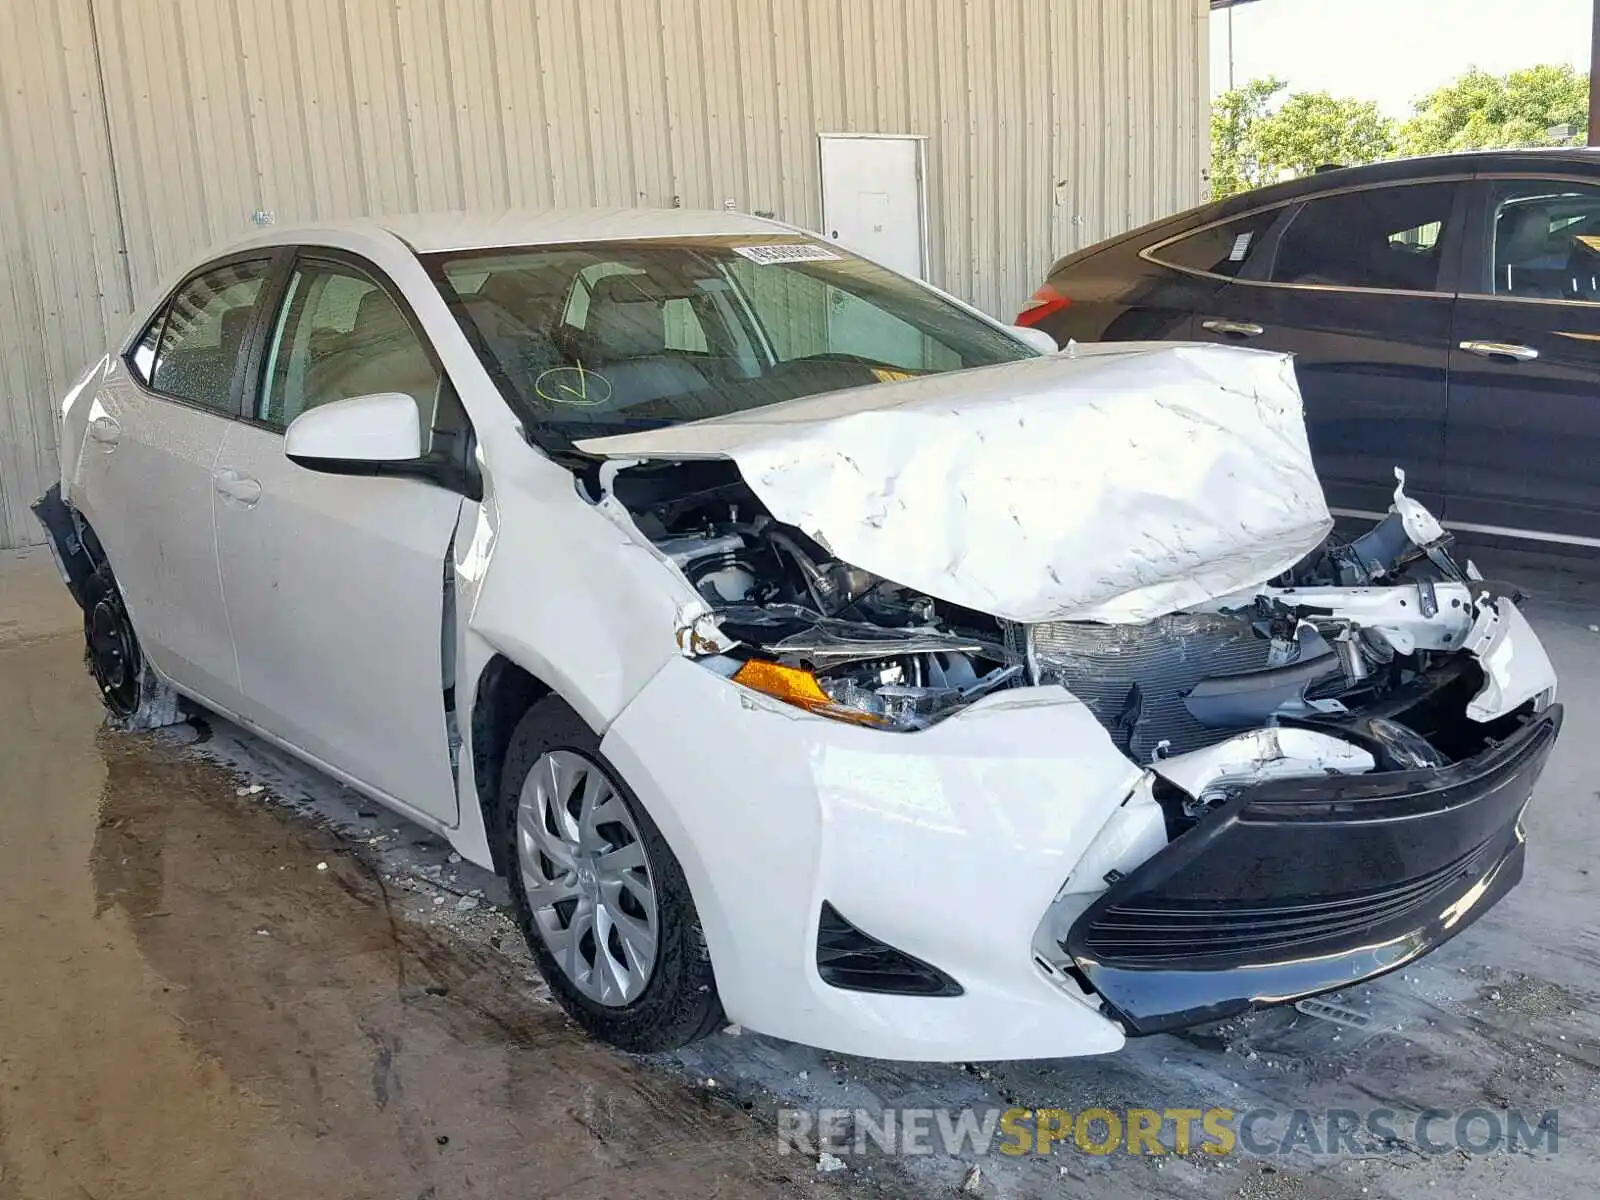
[[1041, 304]]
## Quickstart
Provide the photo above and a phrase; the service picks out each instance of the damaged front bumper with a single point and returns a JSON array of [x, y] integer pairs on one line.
[[1300, 886]]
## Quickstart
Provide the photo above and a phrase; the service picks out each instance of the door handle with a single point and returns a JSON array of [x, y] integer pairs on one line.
[[1515, 351], [106, 431], [1234, 328], [235, 486]]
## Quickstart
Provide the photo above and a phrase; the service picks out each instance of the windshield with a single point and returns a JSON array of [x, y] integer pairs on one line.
[[610, 337]]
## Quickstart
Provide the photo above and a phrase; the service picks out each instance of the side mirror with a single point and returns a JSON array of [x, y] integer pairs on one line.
[[1037, 338], [381, 428]]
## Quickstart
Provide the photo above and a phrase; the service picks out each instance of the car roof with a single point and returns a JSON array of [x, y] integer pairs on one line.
[[428, 233], [1467, 162], [1580, 160]]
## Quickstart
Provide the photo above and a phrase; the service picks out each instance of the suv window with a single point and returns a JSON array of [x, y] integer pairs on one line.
[[340, 334], [1544, 241], [1222, 249], [202, 332], [1389, 237]]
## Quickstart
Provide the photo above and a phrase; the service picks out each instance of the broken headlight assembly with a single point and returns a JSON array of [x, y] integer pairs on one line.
[[902, 695], [817, 633]]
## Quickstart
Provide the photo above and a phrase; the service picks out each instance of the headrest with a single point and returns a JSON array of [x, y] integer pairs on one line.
[[623, 323], [377, 318], [234, 325], [1524, 233]]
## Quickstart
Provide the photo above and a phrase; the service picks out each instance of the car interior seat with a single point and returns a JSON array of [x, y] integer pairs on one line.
[[202, 372], [1522, 246], [625, 336], [381, 353]]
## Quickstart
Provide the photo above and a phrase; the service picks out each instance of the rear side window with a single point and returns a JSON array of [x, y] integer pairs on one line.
[[1544, 241], [202, 331], [1388, 238], [1220, 250]]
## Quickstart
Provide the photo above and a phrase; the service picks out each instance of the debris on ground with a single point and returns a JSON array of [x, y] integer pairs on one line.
[[972, 1185], [250, 790], [829, 1162]]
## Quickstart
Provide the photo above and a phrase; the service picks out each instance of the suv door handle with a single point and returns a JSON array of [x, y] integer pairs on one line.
[[106, 431], [1515, 351], [1234, 328], [238, 487]]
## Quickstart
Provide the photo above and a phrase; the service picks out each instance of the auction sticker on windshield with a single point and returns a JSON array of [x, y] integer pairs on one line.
[[786, 253]]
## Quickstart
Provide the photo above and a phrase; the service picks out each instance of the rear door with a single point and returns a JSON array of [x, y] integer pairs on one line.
[[1524, 435], [1358, 285], [336, 584], [144, 478]]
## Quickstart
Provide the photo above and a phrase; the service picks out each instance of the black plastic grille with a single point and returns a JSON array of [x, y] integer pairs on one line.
[[1169, 931], [858, 962]]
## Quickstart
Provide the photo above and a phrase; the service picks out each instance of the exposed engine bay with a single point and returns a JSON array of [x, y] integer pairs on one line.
[[1380, 641]]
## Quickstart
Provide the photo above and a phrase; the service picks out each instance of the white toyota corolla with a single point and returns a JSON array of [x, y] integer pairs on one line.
[[806, 648]]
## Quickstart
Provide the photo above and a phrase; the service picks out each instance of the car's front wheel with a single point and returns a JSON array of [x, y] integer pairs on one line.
[[600, 896]]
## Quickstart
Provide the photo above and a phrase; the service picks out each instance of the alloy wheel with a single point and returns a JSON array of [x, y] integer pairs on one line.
[[587, 878]]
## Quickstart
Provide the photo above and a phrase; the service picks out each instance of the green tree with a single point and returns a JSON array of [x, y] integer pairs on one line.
[[1480, 111], [1253, 143], [1233, 114], [1312, 128]]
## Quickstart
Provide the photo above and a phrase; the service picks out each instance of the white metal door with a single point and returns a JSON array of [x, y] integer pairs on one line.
[[335, 591], [872, 198]]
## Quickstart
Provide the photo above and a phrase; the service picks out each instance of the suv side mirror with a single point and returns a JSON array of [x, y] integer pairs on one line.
[[363, 430]]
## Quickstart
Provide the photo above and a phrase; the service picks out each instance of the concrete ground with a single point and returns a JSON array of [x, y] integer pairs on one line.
[[222, 974]]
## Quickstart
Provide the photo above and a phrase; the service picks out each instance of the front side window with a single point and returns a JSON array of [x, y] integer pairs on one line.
[[202, 335], [338, 335], [1389, 238], [608, 337], [1543, 242], [1220, 250]]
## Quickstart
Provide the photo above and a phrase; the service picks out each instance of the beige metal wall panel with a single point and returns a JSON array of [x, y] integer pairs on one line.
[[1050, 124], [61, 270]]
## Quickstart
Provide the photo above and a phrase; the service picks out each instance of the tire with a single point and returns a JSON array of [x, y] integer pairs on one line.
[[134, 697], [677, 1002], [110, 647]]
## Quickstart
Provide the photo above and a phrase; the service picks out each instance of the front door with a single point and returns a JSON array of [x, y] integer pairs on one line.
[[144, 477], [335, 584], [1357, 286], [1524, 432]]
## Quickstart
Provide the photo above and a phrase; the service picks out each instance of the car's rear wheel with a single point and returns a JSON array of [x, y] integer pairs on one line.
[[129, 689], [110, 645], [599, 894]]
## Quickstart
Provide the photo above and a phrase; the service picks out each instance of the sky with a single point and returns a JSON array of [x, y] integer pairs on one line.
[[1394, 51]]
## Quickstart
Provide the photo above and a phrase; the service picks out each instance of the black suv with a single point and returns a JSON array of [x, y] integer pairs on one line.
[[1444, 314]]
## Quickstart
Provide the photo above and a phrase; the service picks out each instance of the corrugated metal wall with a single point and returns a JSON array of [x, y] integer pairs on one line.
[[1051, 124], [62, 280]]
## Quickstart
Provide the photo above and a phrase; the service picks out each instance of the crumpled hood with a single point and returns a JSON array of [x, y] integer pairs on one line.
[[1115, 482]]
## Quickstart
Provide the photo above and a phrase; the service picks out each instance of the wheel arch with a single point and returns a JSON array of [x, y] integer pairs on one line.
[[504, 692], [77, 547]]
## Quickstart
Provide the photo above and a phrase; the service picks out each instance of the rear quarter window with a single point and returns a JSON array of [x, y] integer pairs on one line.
[[1222, 249]]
